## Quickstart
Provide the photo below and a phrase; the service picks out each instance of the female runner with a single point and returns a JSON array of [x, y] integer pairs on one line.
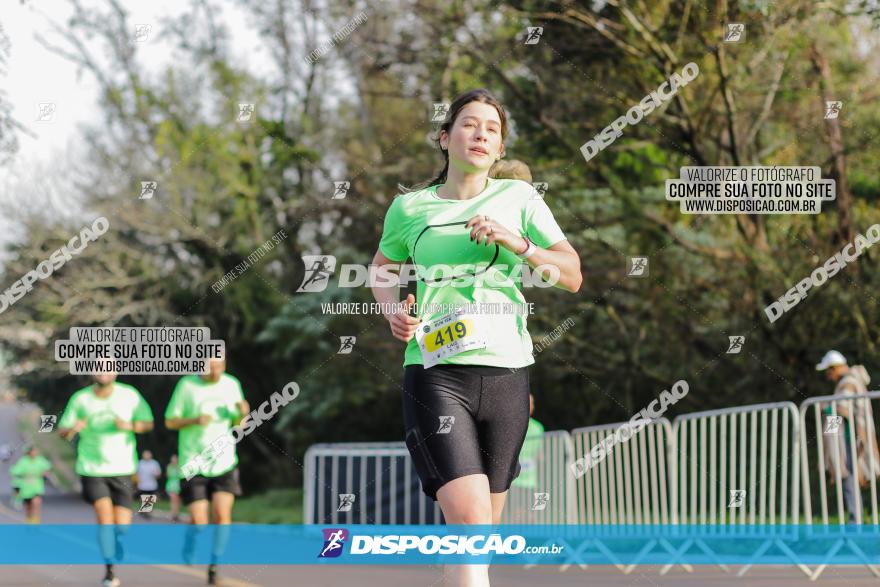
[[466, 389]]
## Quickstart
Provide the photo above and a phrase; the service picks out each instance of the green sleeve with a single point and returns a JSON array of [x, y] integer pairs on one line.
[[392, 244], [176, 408], [239, 391], [235, 397], [72, 412], [45, 464], [539, 224], [15, 471], [142, 411]]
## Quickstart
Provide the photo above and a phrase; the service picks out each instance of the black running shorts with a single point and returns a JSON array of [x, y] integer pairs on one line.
[[465, 419], [201, 487], [118, 489]]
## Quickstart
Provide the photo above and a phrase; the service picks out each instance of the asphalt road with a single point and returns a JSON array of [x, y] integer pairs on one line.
[[59, 508]]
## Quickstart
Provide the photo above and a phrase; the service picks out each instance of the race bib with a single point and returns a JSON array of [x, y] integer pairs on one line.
[[450, 335]]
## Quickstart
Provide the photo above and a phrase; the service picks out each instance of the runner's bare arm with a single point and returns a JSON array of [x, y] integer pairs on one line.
[[562, 254], [244, 409], [403, 326], [69, 433], [138, 426], [141, 426], [178, 423]]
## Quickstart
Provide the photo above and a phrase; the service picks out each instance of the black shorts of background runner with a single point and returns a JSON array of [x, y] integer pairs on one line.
[[491, 410], [118, 489], [201, 487]]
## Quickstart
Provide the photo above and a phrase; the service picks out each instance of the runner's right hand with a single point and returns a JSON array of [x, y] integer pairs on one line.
[[124, 424], [204, 419], [403, 326]]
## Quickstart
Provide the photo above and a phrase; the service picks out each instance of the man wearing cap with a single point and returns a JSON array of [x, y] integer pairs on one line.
[[849, 381]]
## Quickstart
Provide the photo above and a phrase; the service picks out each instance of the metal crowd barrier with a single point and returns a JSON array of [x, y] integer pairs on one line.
[[745, 469], [632, 484], [380, 477], [747, 448], [548, 500], [739, 466], [835, 434]]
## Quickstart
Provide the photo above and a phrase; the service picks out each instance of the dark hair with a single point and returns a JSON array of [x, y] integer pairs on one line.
[[478, 95]]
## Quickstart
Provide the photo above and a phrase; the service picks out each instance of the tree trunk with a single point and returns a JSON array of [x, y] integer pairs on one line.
[[835, 142]]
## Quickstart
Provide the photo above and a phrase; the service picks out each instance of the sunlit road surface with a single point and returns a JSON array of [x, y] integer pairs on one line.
[[357, 576]]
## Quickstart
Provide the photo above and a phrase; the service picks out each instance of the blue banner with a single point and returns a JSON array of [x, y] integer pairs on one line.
[[412, 544]]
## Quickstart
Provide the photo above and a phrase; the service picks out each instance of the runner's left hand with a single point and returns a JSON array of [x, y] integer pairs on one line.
[[135, 427], [486, 231]]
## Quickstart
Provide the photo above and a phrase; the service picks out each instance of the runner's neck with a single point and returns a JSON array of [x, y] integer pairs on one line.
[[460, 187], [103, 390]]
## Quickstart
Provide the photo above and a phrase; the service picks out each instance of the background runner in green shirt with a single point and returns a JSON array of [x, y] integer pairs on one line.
[[209, 410], [204, 408], [531, 451], [29, 473], [106, 415], [107, 422]]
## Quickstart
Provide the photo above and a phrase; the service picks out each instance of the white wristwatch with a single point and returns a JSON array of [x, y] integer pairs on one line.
[[530, 250]]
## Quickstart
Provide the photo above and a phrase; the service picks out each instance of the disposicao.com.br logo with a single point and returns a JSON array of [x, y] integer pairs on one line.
[[319, 269], [334, 542], [429, 544]]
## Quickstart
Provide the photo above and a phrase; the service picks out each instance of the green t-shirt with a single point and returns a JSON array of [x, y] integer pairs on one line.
[[193, 397], [528, 456], [103, 449], [173, 477], [431, 230], [28, 474]]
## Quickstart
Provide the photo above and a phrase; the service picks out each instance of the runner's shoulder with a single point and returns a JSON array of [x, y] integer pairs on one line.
[[518, 189], [405, 200], [188, 380], [126, 388], [511, 183], [230, 377], [233, 385], [80, 393]]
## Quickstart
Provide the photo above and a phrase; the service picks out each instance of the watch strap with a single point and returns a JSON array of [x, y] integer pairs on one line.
[[530, 250]]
